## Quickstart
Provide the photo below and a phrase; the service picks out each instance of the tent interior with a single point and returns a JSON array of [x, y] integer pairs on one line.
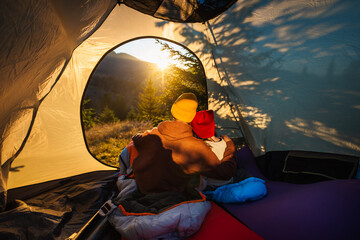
[[282, 75]]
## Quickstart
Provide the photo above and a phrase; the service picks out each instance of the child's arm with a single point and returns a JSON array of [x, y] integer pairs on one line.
[[227, 168]]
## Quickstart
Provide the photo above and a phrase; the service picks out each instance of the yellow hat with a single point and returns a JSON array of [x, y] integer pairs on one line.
[[184, 108]]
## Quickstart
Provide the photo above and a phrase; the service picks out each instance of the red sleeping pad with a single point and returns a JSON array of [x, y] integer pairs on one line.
[[219, 224]]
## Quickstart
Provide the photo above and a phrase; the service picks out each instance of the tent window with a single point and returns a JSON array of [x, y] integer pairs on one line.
[[132, 89]]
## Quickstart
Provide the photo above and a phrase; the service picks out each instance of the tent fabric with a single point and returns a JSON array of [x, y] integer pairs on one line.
[[37, 41], [322, 210], [306, 167], [181, 11], [291, 68]]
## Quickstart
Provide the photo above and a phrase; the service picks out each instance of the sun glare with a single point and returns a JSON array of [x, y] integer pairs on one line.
[[162, 64], [162, 59], [148, 50]]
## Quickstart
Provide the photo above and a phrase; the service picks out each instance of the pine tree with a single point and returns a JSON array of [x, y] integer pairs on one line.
[[149, 105], [186, 76], [107, 115], [88, 115], [131, 115]]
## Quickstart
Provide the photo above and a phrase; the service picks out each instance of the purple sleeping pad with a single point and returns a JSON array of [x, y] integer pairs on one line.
[[323, 210]]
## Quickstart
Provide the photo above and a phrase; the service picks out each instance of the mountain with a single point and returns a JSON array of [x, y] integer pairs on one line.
[[117, 81], [123, 64]]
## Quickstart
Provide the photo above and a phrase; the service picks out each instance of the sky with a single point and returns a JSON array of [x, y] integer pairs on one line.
[[148, 50]]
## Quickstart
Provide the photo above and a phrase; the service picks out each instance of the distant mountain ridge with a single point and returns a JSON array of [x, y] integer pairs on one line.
[[123, 64], [117, 81]]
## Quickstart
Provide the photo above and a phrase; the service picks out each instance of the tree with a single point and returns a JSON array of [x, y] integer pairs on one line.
[[88, 114], [107, 115], [185, 76], [149, 105], [131, 115]]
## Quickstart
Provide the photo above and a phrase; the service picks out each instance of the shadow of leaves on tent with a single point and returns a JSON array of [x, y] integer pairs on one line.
[[281, 61], [16, 169]]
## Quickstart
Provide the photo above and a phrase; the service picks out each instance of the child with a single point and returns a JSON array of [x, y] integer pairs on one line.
[[251, 188], [203, 126]]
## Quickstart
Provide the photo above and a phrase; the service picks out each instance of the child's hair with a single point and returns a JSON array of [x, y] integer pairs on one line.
[[203, 124]]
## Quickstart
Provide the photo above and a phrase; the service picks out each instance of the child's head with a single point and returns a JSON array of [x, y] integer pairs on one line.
[[184, 108], [203, 124]]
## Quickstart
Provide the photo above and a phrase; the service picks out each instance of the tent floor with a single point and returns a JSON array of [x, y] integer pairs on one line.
[[55, 209], [58, 209]]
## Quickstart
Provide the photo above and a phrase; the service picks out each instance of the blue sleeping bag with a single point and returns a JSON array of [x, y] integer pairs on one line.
[[247, 190]]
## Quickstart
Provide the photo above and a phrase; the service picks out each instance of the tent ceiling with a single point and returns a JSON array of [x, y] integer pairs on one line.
[[181, 11]]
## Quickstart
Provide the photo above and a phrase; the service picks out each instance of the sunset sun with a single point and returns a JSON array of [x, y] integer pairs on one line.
[[150, 52], [162, 64]]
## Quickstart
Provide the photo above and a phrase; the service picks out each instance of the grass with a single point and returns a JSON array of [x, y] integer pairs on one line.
[[106, 141]]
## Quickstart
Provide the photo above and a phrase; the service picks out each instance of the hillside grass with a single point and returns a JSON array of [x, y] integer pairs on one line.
[[107, 140]]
